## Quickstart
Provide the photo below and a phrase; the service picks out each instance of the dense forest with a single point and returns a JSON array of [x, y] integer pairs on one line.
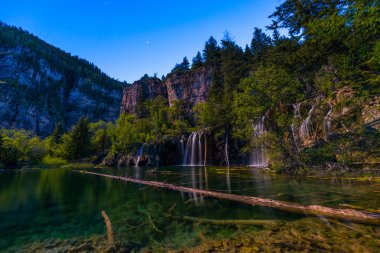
[[301, 97]]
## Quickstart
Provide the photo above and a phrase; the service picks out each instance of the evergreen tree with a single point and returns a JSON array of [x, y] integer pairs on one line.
[[76, 144], [197, 61], [260, 42], [211, 53], [184, 66], [52, 142], [57, 133]]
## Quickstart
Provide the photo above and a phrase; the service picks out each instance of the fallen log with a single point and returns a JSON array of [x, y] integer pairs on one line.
[[314, 210], [225, 222]]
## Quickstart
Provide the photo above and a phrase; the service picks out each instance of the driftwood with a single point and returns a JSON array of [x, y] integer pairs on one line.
[[314, 210], [107, 220], [225, 222]]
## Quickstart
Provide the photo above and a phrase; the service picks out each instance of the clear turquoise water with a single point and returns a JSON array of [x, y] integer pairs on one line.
[[57, 203]]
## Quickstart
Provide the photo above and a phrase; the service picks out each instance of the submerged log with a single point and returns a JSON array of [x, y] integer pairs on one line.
[[107, 220], [226, 222], [314, 210]]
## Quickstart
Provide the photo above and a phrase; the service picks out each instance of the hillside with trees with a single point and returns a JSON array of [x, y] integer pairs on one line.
[[308, 99], [42, 86]]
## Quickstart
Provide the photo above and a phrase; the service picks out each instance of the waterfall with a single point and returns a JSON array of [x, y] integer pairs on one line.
[[327, 122], [305, 129], [226, 151], [193, 150], [139, 154], [182, 147], [200, 149], [297, 118], [259, 154]]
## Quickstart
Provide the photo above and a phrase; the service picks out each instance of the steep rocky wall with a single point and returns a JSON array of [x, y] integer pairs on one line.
[[147, 88], [35, 95], [192, 86]]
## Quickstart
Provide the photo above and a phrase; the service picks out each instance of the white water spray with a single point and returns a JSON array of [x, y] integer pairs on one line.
[[193, 151], [327, 121], [139, 154], [305, 129], [297, 118], [259, 154]]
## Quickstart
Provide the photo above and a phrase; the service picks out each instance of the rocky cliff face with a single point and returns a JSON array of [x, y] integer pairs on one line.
[[35, 94], [146, 88], [191, 86]]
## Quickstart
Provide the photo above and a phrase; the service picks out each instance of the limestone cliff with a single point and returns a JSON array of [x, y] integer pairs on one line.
[[191, 87], [146, 88]]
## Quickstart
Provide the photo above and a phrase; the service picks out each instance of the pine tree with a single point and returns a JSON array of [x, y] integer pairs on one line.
[[77, 142], [211, 53], [197, 61], [57, 133], [183, 67], [260, 42]]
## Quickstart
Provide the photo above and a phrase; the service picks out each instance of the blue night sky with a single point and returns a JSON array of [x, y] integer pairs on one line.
[[127, 39]]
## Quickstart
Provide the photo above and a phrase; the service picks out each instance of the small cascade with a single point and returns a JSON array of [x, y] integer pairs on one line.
[[139, 154], [327, 122], [226, 151], [193, 152], [305, 129], [259, 154], [297, 118], [182, 147]]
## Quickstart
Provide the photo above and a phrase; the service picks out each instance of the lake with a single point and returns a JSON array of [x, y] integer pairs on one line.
[[44, 204]]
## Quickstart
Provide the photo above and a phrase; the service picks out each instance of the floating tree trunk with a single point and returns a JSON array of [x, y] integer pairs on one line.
[[315, 210]]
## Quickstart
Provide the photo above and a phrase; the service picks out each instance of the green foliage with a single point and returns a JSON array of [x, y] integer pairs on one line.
[[183, 67], [211, 53], [53, 141], [197, 61], [332, 44], [158, 119], [100, 139], [259, 44], [179, 119], [76, 143], [51, 161], [20, 146], [319, 155], [124, 135]]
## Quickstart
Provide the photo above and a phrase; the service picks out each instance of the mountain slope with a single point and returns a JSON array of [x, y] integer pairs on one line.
[[41, 85]]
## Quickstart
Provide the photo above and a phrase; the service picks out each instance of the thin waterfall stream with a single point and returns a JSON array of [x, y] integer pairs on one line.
[[259, 154], [139, 154], [193, 155], [327, 122], [306, 128]]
